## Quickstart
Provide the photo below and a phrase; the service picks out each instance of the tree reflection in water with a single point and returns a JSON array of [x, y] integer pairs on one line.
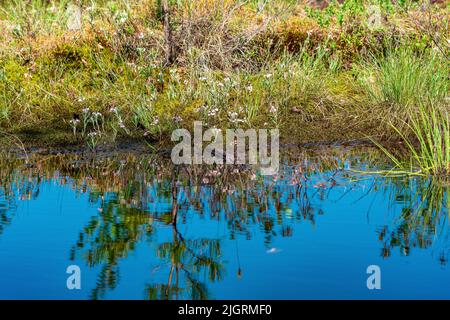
[[137, 195]]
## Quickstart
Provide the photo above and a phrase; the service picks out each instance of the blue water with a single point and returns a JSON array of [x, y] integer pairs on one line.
[[263, 239]]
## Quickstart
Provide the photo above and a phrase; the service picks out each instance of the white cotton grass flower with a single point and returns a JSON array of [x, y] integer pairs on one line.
[[201, 109], [122, 17], [273, 109], [213, 112], [233, 115]]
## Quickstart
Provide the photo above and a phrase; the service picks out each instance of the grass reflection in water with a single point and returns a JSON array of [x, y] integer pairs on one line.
[[138, 196]]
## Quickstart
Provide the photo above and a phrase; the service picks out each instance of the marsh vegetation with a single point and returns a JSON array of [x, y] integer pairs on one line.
[[318, 71]]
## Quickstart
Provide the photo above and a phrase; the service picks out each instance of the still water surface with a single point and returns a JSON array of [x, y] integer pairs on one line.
[[141, 229]]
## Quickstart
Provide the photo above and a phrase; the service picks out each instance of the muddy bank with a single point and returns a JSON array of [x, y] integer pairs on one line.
[[65, 144]]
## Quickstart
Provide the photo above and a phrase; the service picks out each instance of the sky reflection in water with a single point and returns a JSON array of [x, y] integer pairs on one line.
[[141, 229]]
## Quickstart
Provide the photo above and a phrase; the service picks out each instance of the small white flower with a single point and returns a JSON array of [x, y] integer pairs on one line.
[[122, 17], [213, 112], [85, 110], [273, 109], [250, 88], [233, 115], [121, 125], [268, 75]]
